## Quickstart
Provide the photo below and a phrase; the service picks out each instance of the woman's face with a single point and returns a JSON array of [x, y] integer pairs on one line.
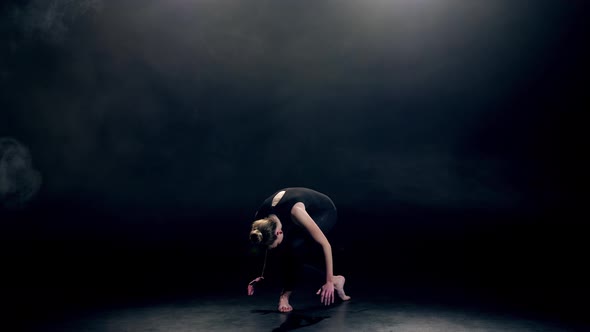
[[279, 233]]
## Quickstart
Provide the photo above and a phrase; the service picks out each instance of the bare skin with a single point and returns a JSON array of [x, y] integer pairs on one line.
[[338, 281], [339, 285], [284, 305], [334, 284], [300, 217], [277, 198]]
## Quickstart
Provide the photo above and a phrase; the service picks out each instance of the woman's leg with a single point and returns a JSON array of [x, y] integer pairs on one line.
[[291, 272]]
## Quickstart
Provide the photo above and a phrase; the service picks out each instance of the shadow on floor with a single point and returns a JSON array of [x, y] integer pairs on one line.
[[297, 318]]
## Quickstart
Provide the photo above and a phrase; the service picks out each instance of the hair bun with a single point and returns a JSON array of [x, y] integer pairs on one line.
[[256, 236]]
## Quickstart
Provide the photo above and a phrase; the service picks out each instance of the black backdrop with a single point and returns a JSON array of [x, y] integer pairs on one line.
[[448, 134]]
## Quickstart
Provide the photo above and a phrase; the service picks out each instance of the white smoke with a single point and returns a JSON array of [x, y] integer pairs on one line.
[[19, 181], [51, 19]]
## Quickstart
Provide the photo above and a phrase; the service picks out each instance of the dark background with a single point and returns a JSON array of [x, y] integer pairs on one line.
[[139, 137]]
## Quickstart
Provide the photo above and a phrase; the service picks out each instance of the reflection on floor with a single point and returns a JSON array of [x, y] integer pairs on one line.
[[258, 313]]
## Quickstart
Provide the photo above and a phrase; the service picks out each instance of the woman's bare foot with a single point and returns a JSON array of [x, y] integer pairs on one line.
[[339, 286], [284, 305]]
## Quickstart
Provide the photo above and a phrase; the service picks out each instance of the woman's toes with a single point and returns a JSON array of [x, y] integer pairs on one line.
[[285, 308], [284, 305]]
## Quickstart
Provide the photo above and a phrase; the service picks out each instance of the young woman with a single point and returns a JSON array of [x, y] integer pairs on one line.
[[295, 220]]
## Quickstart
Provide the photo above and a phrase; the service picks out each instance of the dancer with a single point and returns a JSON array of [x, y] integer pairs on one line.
[[296, 219]]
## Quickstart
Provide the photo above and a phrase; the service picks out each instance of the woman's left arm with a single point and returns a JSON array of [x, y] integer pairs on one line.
[[301, 217]]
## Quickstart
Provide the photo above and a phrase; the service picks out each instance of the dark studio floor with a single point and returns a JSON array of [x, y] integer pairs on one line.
[[367, 311], [186, 289]]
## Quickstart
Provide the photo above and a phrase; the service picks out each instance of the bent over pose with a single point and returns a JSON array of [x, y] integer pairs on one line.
[[296, 219]]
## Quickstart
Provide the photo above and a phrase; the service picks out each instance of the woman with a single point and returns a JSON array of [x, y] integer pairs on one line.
[[295, 219]]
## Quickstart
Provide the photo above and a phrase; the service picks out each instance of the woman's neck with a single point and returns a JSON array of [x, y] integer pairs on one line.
[[274, 218]]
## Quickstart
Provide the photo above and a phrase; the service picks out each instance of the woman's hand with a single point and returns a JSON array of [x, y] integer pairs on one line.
[[251, 285], [327, 293]]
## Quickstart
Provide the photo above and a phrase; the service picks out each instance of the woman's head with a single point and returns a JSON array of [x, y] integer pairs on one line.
[[266, 232]]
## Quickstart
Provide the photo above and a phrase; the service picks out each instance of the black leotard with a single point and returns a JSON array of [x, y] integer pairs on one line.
[[319, 207], [298, 247]]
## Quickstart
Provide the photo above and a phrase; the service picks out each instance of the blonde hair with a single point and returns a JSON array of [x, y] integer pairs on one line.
[[263, 231]]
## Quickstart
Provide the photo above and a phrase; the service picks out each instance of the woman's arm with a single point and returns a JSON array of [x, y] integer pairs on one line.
[[302, 218], [252, 284]]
